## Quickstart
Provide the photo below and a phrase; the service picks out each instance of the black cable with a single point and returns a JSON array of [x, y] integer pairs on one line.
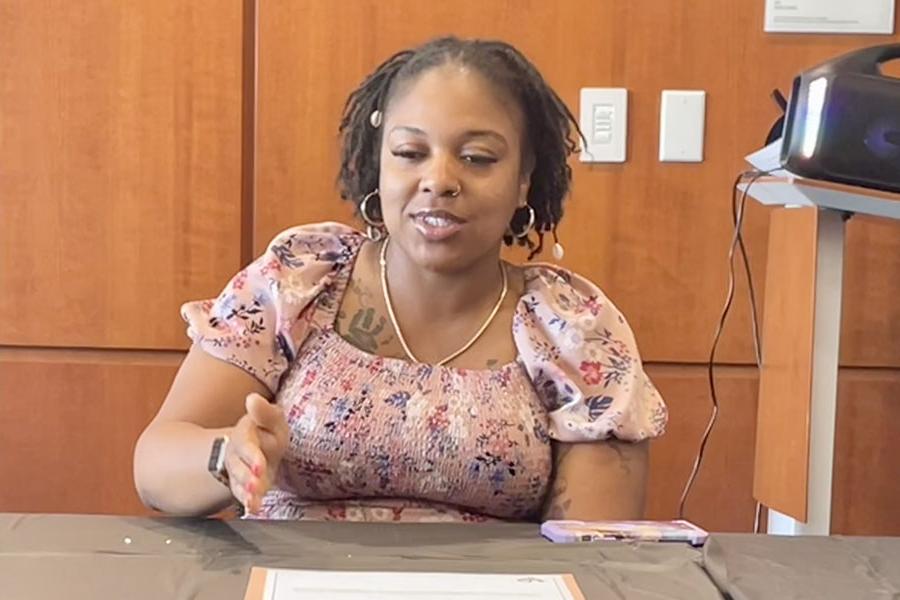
[[754, 314], [754, 320], [737, 241]]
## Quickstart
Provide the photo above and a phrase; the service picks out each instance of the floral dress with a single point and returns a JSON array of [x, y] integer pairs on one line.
[[375, 438]]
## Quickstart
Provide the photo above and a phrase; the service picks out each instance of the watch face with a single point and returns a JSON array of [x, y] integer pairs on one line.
[[217, 460]]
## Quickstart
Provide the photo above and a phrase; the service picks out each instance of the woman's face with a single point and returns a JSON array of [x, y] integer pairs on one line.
[[450, 129]]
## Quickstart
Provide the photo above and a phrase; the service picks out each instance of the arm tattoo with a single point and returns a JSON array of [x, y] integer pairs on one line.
[[624, 457], [558, 502]]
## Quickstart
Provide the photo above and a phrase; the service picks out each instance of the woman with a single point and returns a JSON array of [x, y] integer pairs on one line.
[[410, 373]]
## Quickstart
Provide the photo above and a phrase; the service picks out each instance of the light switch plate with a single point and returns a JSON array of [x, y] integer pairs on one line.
[[682, 124], [604, 122]]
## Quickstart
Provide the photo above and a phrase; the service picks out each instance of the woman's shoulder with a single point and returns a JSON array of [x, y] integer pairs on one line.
[[568, 308], [566, 290], [328, 241], [256, 321]]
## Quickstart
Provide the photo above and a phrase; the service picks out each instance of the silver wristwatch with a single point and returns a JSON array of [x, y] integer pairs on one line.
[[216, 465]]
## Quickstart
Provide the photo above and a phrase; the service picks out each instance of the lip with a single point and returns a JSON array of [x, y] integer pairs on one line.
[[437, 233]]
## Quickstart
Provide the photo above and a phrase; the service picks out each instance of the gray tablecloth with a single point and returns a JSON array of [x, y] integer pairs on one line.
[[748, 567], [81, 557]]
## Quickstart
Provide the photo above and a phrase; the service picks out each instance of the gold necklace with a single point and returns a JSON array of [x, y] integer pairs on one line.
[[390, 307]]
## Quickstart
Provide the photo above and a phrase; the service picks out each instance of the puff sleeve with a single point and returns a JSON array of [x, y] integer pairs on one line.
[[583, 361], [260, 319]]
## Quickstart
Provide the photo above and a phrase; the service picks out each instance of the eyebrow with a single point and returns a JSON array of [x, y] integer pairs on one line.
[[473, 133]]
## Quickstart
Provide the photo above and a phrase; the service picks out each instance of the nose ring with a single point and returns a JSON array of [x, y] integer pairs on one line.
[[457, 191]]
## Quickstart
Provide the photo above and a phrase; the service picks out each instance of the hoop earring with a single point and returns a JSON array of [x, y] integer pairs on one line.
[[374, 226], [524, 233]]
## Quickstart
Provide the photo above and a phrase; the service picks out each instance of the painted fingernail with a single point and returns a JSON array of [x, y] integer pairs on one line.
[[249, 487], [257, 470]]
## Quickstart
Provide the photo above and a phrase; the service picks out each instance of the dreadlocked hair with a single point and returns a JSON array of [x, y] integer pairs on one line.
[[550, 128]]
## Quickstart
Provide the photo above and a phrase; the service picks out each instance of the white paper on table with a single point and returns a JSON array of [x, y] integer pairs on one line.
[[830, 16], [290, 584]]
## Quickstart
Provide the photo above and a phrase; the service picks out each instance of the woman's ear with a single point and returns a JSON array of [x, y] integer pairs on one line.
[[523, 194], [525, 180]]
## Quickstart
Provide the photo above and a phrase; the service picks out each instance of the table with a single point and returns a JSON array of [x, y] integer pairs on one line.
[[81, 557]]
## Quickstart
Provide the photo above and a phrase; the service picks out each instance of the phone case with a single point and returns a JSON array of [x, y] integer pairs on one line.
[[647, 531]]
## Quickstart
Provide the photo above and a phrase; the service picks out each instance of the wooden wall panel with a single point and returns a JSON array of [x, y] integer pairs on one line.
[[721, 498], [867, 453], [867, 450], [653, 235], [68, 424], [870, 328], [101, 401], [121, 167]]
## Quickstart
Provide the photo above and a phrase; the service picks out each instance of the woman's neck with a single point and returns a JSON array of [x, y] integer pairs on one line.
[[419, 293]]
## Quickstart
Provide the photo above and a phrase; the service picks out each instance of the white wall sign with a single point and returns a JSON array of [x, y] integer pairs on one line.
[[830, 16]]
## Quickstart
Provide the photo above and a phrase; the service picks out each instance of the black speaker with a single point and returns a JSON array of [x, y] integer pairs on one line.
[[843, 121]]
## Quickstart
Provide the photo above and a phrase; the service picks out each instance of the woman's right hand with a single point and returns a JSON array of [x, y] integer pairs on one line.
[[255, 447]]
